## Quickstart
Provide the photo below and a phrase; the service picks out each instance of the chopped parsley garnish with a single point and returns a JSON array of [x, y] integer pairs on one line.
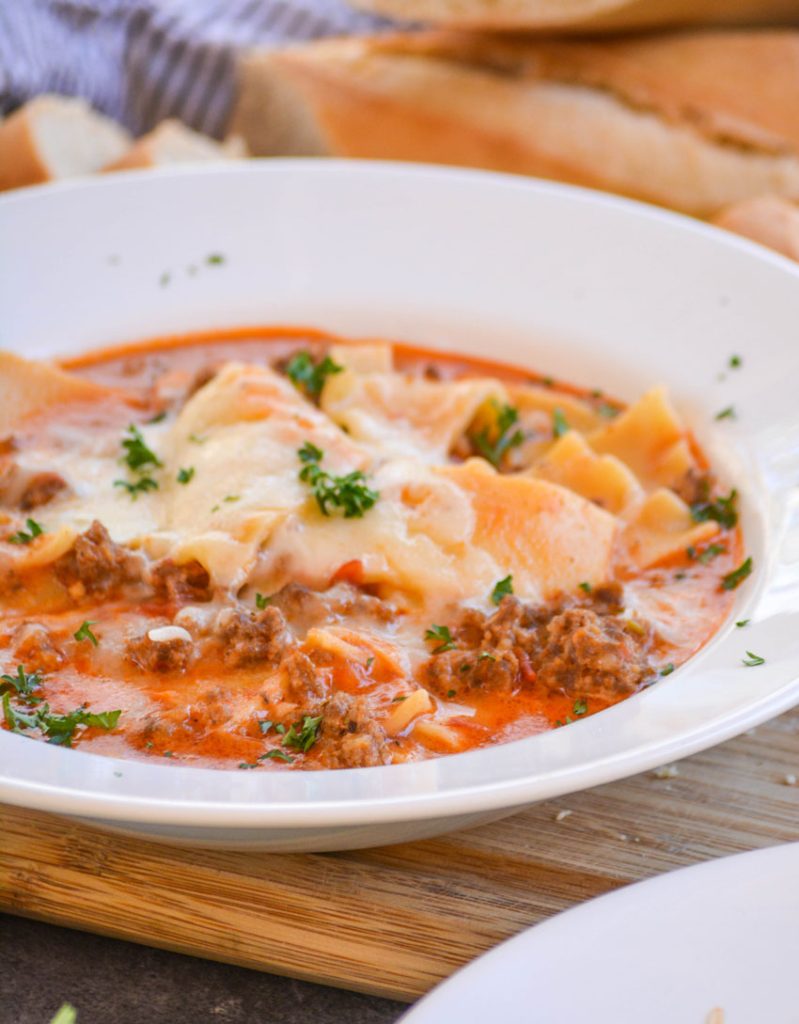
[[215, 259], [735, 362], [24, 684], [493, 442], [303, 736], [721, 511], [140, 459], [667, 669], [350, 492], [737, 576], [751, 660], [137, 454], [264, 725], [261, 601], [25, 537], [146, 483], [727, 414], [164, 279], [441, 636], [278, 755], [580, 706], [369, 662], [706, 556], [560, 425], [486, 656], [309, 453], [502, 589], [742, 622], [197, 439], [31, 712], [58, 729], [158, 418], [232, 497], [185, 475], [85, 633], [309, 376], [451, 694], [586, 587]]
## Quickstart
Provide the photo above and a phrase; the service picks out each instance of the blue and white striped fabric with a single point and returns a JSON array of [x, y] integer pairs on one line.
[[142, 60]]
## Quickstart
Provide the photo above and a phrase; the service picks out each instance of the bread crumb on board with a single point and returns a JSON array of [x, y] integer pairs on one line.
[[666, 771]]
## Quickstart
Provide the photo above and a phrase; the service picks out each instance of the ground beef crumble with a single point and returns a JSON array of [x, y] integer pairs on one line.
[[305, 608], [181, 583], [588, 655], [40, 490], [349, 735], [160, 655], [251, 638], [575, 648], [304, 684], [96, 565]]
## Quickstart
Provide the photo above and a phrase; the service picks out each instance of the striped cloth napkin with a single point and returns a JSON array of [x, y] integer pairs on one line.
[[143, 60]]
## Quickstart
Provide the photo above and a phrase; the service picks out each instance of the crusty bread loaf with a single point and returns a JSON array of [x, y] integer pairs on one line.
[[55, 137], [693, 121], [585, 15], [171, 142], [769, 220]]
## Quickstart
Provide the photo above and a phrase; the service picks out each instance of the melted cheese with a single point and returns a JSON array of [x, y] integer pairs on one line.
[[438, 528], [241, 434]]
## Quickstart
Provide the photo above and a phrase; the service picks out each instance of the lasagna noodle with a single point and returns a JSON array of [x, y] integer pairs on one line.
[[28, 389], [650, 439], [438, 528], [401, 415]]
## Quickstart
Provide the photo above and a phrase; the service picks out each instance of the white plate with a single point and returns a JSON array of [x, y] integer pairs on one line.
[[583, 286], [718, 936]]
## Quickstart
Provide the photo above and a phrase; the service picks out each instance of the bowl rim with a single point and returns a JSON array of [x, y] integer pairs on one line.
[[100, 799]]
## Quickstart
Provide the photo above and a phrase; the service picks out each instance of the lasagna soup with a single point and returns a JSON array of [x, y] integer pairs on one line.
[[277, 550]]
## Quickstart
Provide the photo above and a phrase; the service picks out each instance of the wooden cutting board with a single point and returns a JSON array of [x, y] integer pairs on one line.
[[396, 920]]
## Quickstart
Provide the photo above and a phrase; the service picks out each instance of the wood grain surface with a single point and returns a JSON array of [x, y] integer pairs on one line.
[[396, 920]]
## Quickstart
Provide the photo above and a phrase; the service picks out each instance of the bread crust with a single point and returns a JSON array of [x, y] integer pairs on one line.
[[20, 163], [89, 138], [670, 120], [144, 152], [584, 15]]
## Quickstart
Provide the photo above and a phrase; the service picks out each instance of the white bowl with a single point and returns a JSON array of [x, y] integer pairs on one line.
[[589, 288]]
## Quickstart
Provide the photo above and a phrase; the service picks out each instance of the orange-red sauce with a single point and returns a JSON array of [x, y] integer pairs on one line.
[[210, 715]]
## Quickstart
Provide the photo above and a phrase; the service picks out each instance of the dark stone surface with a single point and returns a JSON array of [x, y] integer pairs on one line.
[[112, 982]]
